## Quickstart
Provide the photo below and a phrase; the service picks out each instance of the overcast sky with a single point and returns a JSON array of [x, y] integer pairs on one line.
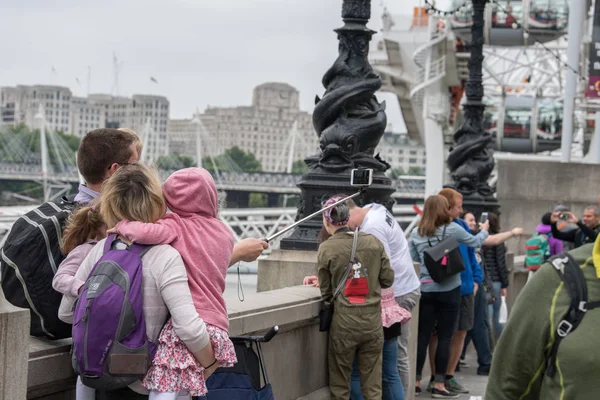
[[201, 52]]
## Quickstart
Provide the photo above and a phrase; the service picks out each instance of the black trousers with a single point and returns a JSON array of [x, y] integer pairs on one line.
[[443, 308]]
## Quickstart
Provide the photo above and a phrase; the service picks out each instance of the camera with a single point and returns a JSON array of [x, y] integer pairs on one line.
[[361, 177], [564, 216]]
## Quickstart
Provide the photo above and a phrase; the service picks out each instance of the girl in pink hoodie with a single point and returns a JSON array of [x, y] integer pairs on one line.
[[206, 245]]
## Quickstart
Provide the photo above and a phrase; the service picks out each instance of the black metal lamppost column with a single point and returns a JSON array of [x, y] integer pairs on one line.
[[471, 160], [349, 122]]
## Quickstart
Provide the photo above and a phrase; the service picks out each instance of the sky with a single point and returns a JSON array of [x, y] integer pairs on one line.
[[200, 52]]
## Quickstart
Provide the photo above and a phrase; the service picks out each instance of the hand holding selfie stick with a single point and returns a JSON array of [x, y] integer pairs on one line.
[[295, 224]]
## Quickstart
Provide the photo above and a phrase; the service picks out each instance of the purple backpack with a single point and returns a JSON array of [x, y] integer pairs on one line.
[[110, 347]]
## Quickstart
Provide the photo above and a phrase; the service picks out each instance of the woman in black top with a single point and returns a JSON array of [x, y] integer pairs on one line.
[[497, 271]]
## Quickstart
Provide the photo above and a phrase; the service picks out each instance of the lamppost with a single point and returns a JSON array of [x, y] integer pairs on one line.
[[471, 160], [349, 122]]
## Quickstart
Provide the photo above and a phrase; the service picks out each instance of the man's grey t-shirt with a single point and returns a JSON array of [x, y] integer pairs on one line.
[[380, 223]]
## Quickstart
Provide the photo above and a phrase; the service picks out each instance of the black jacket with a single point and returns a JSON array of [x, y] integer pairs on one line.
[[495, 263], [581, 236]]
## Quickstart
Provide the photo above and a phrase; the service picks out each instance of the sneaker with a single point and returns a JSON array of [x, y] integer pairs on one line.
[[453, 386], [418, 391], [430, 386], [483, 370], [463, 364], [443, 394]]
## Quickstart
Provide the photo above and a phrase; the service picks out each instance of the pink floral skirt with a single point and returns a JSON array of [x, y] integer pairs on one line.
[[174, 368]]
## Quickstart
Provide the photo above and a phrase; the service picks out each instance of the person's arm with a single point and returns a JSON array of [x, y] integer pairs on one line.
[[386, 273], [324, 274], [164, 231], [495, 240], [65, 311], [171, 280], [564, 236], [501, 265], [414, 253], [519, 358], [64, 281], [590, 233], [464, 237], [247, 250]]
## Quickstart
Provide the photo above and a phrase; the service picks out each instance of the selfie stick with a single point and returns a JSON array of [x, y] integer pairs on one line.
[[295, 224]]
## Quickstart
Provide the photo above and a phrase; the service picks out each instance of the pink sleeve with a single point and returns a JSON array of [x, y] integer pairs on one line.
[[164, 231], [64, 281]]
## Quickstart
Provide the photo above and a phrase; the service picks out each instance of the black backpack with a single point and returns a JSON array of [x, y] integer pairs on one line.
[[443, 259], [28, 262], [571, 274]]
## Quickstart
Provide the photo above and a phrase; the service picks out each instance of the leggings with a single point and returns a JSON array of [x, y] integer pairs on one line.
[[443, 308]]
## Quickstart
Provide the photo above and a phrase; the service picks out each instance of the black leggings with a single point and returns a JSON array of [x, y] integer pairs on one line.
[[440, 307]]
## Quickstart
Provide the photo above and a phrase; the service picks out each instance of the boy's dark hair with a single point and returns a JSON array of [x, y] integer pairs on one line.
[[547, 219], [101, 148]]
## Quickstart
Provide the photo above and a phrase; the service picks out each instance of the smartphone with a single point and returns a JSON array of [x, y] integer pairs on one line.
[[484, 218], [361, 177]]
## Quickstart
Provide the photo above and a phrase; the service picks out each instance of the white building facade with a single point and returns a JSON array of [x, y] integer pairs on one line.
[[271, 128]]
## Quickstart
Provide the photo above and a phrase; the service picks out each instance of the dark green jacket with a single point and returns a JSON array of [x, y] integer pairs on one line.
[[334, 255], [519, 359]]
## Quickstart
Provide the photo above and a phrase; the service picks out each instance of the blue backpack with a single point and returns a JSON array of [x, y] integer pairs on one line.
[[110, 347]]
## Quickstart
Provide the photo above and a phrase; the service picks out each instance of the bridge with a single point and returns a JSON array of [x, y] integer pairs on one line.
[[407, 187]]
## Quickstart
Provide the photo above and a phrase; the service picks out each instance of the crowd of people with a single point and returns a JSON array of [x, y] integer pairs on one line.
[[184, 253], [154, 258]]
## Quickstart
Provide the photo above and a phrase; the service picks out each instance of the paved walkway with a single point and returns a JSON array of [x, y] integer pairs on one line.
[[467, 376]]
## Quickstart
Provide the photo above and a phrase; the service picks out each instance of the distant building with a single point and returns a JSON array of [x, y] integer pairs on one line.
[[263, 128], [401, 152], [86, 116], [21, 104], [148, 115]]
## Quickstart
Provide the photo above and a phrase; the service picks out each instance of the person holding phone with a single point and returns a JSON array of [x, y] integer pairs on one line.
[[587, 228]]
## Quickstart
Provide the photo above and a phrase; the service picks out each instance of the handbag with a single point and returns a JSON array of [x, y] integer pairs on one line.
[[444, 259], [326, 312]]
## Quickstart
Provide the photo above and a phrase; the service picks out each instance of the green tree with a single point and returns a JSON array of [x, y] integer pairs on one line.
[[416, 171], [257, 200], [246, 161], [299, 167], [396, 173], [174, 162]]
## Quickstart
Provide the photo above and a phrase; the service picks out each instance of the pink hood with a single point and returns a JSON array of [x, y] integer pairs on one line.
[[191, 191]]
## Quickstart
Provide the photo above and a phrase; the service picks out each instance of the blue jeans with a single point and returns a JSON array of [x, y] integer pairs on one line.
[[494, 311], [480, 333], [392, 385]]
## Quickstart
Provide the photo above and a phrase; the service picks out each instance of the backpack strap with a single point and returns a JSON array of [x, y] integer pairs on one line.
[[109, 242], [135, 248], [572, 276]]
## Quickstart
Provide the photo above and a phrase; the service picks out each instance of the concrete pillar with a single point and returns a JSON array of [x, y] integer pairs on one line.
[[14, 350], [575, 33]]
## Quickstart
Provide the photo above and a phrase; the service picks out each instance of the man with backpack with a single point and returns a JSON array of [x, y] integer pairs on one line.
[[31, 254], [548, 348], [587, 230]]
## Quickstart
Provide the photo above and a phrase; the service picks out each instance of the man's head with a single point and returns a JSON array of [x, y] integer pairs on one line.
[[455, 201], [591, 219], [102, 151]]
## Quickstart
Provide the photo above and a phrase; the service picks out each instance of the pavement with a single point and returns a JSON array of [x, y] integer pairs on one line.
[[466, 376]]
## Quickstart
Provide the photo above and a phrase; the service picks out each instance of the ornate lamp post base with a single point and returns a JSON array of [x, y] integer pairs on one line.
[[316, 188]]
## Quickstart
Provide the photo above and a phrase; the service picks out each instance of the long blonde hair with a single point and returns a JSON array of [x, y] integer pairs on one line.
[[435, 214], [133, 193], [86, 223]]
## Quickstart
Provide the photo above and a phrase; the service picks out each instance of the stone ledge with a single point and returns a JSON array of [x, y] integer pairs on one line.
[[294, 308]]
